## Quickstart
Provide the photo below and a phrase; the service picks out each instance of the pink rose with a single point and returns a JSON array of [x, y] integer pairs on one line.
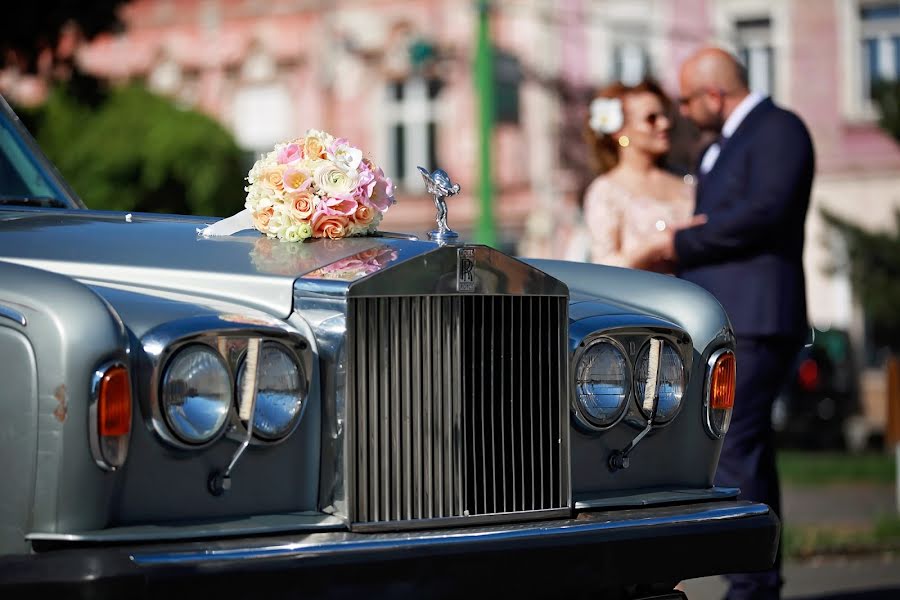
[[341, 205], [288, 154], [382, 195], [295, 180]]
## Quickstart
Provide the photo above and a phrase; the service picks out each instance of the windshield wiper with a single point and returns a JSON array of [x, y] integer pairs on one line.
[[42, 201]]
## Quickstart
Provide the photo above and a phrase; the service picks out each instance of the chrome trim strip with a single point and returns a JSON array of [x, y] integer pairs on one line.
[[386, 527], [397, 235], [324, 543], [707, 418], [645, 499], [13, 315], [272, 524]]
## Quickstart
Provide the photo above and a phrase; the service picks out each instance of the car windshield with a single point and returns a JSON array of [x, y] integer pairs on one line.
[[24, 180]]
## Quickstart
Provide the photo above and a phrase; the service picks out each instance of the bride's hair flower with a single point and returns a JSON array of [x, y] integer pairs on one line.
[[606, 115], [317, 186]]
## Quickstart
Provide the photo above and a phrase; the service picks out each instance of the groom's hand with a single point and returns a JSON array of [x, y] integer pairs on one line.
[[667, 244]]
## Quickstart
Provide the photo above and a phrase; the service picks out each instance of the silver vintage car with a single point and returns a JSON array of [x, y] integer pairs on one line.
[[375, 415]]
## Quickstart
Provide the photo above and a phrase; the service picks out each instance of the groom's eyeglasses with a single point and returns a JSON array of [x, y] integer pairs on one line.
[[685, 100]]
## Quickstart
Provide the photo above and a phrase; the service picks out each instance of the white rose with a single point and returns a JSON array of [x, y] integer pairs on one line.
[[334, 181], [606, 115]]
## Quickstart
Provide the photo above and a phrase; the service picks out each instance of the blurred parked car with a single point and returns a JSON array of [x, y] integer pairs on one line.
[[821, 397], [241, 416]]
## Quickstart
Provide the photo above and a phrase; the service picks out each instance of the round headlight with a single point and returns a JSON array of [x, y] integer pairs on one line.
[[669, 382], [601, 384], [281, 390], [196, 394]]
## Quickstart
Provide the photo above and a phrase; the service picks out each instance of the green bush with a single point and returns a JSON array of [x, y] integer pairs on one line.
[[136, 151]]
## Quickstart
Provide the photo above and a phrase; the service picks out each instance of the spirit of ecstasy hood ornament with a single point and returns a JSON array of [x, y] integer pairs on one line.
[[440, 187]]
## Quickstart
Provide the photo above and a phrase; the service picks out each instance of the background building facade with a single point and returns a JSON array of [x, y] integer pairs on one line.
[[396, 78]]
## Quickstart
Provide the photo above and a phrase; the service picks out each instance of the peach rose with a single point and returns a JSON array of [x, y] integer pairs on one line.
[[273, 178], [364, 215], [301, 204], [314, 148], [329, 226], [261, 218]]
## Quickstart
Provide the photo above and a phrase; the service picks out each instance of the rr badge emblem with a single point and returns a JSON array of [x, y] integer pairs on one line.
[[465, 269]]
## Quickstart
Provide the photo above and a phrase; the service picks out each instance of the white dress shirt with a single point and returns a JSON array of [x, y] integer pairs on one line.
[[736, 117]]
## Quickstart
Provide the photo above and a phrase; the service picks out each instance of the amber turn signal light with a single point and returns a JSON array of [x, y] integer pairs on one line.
[[114, 403], [722, 382]]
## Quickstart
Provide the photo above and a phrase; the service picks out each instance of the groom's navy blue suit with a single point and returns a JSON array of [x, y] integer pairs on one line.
[[749, 256]]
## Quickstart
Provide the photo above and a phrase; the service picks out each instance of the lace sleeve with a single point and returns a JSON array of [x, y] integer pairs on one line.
[[603, 217]]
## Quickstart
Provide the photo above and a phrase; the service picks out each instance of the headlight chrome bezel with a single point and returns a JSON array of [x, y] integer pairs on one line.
[[582, 417], [632, 338], [229, 387], [228, 336]]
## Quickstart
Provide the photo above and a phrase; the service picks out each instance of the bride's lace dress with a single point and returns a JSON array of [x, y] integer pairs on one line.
[[618, 223]]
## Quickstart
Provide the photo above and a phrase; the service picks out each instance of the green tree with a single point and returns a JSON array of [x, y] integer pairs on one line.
[[31, 30], [874, 257], [135, 151], [887, 97], [873, 264]]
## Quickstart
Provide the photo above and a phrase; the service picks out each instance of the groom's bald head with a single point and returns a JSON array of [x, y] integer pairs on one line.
[[712, 82], [716, 68]]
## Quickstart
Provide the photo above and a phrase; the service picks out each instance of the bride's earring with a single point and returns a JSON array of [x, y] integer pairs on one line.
[[624, 141]]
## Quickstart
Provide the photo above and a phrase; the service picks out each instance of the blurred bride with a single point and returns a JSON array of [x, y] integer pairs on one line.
[[632, 200]]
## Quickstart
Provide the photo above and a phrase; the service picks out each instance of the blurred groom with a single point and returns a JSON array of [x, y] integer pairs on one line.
[[753, 186]]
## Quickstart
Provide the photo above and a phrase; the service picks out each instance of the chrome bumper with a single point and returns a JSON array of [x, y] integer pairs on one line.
[[604, 549]]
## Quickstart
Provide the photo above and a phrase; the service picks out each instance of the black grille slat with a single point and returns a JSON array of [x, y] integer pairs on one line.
[[458, 404]]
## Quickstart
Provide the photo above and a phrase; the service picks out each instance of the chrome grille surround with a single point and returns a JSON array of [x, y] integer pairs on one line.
[[467, 418], [423, 277]]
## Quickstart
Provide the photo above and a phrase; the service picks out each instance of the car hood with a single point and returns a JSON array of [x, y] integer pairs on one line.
[[157, 252], [162, 253]]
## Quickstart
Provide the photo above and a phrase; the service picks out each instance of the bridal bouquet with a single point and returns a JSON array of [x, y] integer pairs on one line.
[[317, 186]]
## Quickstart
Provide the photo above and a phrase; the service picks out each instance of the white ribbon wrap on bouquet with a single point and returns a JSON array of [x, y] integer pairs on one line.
[[229, 226]]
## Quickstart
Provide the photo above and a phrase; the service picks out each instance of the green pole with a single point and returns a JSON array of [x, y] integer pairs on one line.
[[485, 232]]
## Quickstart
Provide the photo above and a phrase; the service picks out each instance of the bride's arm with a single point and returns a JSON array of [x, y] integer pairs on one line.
[[603, 218]]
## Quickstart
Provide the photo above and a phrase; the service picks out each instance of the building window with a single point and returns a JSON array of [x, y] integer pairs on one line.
[[412, 128], [880, 40], [261, 113], [507, 80], [630, 62], [754, 46]]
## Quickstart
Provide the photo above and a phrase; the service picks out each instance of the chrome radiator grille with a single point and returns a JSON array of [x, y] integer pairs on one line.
[[456, 406]]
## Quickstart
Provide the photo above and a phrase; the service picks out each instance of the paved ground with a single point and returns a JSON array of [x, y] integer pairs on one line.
[[869, 578], [831, 578], [850, 504]]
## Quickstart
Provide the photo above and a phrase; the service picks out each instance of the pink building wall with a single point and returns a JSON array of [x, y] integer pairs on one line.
[[212, 40]]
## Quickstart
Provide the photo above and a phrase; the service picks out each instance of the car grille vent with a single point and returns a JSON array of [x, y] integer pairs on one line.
[[457, 407]]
